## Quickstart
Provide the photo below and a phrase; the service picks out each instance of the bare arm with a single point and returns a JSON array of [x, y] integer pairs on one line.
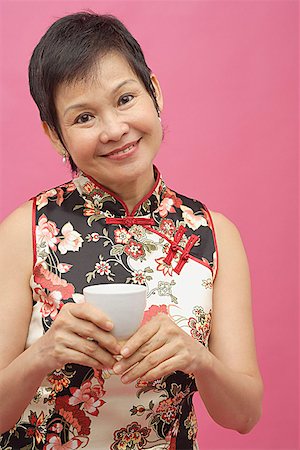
[[229, 382], [21, 372], [23, 376], [227, 375]]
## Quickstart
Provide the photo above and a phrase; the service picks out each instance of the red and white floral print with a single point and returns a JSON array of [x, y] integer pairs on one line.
[[90, 209], [166, 206], [46, 233], [132, 437], [93, 237], [103, 268], [167, 227], [63, 267], [59, 380], [153, 311], [57, 427], [134, 249], [191, 424], [52, 282], [169, 203], [54, 443], [37, 426], [72, 405], [138, 232], [42, 199], [50, 302], [74, 417], [191, 219], [88, 396], [71, 240], [167, 410], [139, 277], [69, 187], [122, 236], [163, 267], [200, 325]]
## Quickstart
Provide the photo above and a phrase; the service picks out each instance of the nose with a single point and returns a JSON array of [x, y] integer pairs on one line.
[[114, 127]]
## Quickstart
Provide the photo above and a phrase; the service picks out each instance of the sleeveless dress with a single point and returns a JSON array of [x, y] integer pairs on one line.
[[83, 235]]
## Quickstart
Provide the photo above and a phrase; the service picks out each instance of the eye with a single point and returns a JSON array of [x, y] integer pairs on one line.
[[125, 99], [83, 118]]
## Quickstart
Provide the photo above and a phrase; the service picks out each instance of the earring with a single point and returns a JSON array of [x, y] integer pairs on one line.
[[64, 158]]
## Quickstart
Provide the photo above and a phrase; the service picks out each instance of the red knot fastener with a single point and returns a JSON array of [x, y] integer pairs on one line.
[[128, 222], [185, 254]]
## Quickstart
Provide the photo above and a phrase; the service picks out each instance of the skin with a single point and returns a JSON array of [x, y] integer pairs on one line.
[[124, 115], [226, 374]]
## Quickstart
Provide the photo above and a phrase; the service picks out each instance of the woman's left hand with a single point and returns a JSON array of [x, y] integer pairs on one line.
[[158, 348]]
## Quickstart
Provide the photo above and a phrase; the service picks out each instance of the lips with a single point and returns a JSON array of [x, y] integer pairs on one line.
[[122, 150]]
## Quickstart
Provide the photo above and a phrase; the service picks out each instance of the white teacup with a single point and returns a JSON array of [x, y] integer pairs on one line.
[[124, 304]]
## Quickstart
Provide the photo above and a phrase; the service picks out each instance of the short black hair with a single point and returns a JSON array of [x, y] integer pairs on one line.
[[69, 50]]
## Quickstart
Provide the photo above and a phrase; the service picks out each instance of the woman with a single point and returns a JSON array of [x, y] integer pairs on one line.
[[117, 221]]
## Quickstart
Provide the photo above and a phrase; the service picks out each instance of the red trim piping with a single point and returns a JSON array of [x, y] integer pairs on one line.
[[33, 230], [158, 178], [202, 263], [215, 242]]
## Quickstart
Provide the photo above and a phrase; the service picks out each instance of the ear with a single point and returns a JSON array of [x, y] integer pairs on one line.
[[52, 135], [159, 96]]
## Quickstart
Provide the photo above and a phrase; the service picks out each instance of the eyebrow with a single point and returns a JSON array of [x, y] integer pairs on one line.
[[84, 105]]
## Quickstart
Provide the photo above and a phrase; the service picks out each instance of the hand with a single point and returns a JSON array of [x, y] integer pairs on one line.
[[80, 334], [157, 349]]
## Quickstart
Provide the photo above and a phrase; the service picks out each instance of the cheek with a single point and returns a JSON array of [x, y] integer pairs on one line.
[[82, 142], [151, 125]]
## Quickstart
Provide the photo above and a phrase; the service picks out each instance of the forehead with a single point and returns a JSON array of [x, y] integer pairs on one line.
[[107, 73]]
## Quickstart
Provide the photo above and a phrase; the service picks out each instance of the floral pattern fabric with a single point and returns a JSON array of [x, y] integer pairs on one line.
[[84, 235]]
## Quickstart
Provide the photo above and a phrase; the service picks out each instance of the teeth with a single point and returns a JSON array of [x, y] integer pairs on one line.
[[127, 149]]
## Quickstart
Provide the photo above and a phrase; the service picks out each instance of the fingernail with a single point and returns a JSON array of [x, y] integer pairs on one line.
[[125, 379], [109, 324], [125, 351], [117, 369]]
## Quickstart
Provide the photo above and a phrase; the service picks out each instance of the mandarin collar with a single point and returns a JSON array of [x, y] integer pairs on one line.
[[101, 202]]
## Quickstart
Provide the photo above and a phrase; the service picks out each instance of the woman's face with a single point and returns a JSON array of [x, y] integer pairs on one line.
[[110, 125]]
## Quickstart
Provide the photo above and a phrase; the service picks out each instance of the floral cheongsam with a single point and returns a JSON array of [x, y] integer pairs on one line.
[[84, 235]]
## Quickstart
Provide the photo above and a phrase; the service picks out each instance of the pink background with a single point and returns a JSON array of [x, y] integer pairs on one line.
[[229, 73]]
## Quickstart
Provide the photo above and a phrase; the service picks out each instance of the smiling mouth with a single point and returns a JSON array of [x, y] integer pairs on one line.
[[120, 152], [123, 150]]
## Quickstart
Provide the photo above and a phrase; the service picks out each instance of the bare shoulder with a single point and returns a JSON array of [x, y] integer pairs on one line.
[[16, 261], [224, 226], [229, 242], [232, 258], [16, 231], [19, 217]]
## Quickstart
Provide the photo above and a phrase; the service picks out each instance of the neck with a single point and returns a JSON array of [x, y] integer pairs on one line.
[[132, 190]]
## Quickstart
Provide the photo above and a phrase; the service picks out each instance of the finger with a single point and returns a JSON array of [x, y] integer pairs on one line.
[[75, 357], [90, 313], [156, 342], [90, 349], [143, 335], [89, 330], [165, 368], [150, 362]]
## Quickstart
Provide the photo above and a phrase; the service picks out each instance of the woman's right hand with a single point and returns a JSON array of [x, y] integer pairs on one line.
[[80, 334]]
